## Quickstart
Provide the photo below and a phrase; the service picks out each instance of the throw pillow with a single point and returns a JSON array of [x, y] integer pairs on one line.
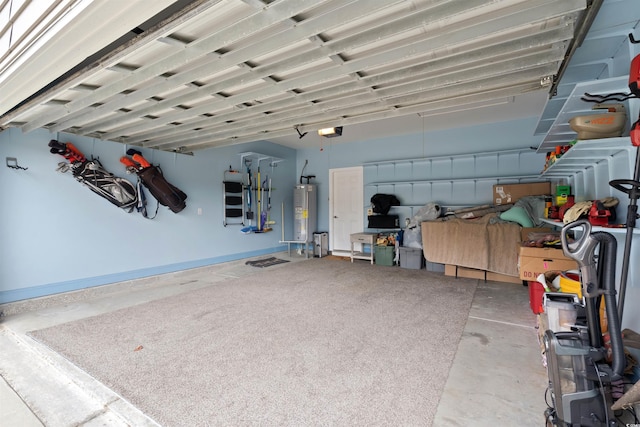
[[517, 214]]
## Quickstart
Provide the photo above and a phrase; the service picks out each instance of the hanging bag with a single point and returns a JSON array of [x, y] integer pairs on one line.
[[166, 194]]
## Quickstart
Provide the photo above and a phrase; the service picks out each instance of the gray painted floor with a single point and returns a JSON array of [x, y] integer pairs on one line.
[[497, 377]]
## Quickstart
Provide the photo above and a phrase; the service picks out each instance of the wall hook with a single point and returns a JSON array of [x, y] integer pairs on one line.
[[632, 39], [12, 163]]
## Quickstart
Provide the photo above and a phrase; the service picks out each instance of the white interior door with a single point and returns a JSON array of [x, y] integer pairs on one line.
[[346, 207]]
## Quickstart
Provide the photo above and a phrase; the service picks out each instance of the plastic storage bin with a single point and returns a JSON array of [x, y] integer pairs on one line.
[[384, 255], [411, 258], [435, 267], [561, 310]]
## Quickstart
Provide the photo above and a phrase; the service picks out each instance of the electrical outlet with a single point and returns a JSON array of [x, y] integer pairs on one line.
[[199, 211], [369, 212]]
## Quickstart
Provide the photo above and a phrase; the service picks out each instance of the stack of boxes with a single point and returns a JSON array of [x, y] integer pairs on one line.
[[554, 206], [536, 261]]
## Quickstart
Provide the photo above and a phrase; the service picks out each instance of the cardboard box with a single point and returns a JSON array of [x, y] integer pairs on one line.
[[472, 273], [510, 193], [534, 261]]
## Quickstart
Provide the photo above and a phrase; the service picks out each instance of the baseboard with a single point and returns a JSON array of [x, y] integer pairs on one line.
[[14, 295]]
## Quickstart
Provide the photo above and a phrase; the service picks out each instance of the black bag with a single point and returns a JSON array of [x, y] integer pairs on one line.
[[117, 190], [381, 203], [92, 174], [383, 221], [163, 191]]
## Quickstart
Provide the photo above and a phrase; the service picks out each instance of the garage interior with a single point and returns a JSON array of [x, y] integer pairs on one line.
[[435, 102]]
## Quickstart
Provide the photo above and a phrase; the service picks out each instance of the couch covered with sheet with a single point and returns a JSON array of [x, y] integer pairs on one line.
[[483, 243]]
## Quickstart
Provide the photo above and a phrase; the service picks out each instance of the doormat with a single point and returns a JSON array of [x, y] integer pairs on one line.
[[267, 262]]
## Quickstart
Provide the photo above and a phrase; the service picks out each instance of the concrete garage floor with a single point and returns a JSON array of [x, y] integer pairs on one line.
[[497, 376]]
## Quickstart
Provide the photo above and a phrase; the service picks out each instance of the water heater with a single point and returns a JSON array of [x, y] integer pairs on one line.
[[305, 212]]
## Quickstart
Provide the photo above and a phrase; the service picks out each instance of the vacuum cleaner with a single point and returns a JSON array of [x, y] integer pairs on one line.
[[580, 368]]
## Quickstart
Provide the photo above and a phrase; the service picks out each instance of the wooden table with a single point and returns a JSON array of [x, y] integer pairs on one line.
[[363, 239]]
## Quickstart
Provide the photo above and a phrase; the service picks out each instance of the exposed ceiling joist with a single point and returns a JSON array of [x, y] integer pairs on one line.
[[241, 71]]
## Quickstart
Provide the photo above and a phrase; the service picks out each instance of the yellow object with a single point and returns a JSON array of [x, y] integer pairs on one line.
[[570, 286]]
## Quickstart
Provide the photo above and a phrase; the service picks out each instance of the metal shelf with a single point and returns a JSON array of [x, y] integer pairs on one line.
[[452, 157], [586, 154], [560, 132], [258, 157], [500, 180], [612, 230]]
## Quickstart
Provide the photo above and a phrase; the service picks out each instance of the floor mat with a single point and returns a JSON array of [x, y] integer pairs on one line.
[[266, 262]]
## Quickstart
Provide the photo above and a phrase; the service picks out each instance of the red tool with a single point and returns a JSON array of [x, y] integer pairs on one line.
[[634, 87], [634, 133], [634, 76], [598, 214]]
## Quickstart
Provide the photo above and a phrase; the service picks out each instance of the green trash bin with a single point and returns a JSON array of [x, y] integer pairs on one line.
[[384, 255]]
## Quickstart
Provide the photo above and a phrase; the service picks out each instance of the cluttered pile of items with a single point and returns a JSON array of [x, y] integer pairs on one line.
[[402, 247], [590, 359], [592, 363], [564, 208]]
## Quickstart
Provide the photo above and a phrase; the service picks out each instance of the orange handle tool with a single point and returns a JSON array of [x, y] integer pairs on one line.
[[143, 162], [128, 162]]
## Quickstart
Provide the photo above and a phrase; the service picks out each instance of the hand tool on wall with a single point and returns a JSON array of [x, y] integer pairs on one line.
[[269, 222], [259, 221], [249, 212]]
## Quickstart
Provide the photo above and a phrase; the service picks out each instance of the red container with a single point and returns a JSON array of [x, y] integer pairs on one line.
[[536, 294]]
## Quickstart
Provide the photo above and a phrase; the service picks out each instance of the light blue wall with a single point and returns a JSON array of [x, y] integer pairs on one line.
[[463, 140], [57, 235]]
